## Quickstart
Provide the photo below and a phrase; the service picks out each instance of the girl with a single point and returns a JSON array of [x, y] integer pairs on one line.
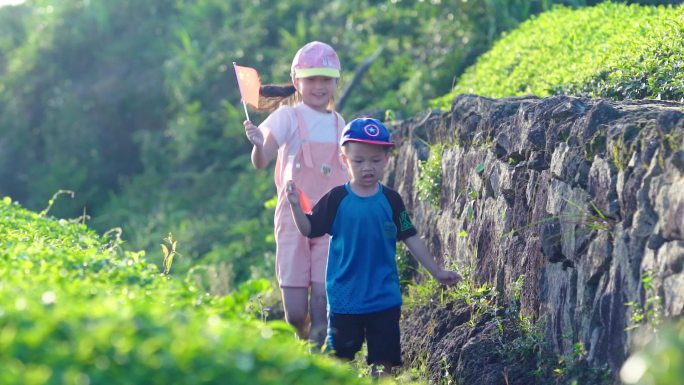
[[303, 133]]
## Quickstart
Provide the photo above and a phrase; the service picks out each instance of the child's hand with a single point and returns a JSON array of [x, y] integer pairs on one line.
[[253, 134], [292, 193], [447, 277]]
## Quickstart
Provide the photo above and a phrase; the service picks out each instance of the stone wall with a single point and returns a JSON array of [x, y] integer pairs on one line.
[[582, 198]]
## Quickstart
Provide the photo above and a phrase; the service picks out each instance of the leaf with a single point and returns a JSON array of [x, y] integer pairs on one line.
[[480, 168], [165, 250], [167, 264]]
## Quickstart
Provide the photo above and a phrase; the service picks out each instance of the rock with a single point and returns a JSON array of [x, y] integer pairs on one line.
[[579, 197]]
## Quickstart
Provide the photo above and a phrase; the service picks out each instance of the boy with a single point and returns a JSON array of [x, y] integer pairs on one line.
[[365, 220]]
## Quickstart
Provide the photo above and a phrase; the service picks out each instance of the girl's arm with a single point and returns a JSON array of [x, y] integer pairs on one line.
[[421, 253], [264, 148], [303, 224]]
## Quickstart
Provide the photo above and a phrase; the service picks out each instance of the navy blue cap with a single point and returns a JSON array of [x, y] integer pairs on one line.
[[366, 130]]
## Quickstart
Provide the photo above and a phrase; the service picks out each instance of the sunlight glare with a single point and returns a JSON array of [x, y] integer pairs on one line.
[[11, 2]]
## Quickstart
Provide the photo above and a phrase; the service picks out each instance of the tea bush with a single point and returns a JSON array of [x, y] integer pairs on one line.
[[75, 310], [610, 50]]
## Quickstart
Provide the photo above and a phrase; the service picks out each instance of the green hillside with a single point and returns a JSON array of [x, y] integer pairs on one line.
[[611, 50], [74, 309]]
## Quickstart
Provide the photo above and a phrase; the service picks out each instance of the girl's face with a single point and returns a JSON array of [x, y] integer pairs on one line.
[[317, 91], [366, 164]]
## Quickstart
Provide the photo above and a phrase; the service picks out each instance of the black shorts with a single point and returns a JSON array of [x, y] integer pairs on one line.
[[380, 330]]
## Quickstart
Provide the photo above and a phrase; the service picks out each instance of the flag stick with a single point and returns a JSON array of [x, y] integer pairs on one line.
[[244, 104]]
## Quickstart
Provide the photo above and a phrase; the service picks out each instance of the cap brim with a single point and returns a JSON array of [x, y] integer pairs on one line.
[[310, 72], [374, 142]]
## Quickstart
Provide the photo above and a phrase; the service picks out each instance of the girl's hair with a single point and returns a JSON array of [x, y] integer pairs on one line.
[[272, 96]]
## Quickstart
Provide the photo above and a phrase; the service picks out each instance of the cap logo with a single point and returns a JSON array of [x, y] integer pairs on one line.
[[371, 130]]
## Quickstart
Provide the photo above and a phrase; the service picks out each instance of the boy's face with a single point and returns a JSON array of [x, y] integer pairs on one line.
[[365, 162]]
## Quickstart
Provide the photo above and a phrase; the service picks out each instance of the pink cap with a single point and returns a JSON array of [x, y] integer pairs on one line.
[[316, 59]]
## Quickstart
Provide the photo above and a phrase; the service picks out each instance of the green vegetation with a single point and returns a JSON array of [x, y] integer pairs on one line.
[[531, 351], [480, 298], [429, 182], [407, 266], [586, 217], [651, 313], [611, 50], [129, 111], [133, 106], [523, 346], [75, 309], [660, 361]]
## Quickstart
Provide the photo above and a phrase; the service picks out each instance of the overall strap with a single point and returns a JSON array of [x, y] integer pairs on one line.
[[339, 123], [304, 136]]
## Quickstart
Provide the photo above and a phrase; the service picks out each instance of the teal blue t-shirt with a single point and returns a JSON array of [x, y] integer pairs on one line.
[[361, 275]]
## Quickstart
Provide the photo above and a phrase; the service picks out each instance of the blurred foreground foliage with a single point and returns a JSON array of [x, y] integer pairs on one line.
[[658, 360], [76, 309]]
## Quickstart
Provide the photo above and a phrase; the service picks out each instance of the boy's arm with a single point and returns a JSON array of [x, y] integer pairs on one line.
[[303, 224], [421, 253]]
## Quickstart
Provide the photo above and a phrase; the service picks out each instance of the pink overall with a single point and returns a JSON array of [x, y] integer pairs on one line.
[[315, 168]]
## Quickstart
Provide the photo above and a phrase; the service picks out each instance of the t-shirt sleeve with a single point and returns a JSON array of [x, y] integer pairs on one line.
[[280, 124], [400, 215], [323, 214]]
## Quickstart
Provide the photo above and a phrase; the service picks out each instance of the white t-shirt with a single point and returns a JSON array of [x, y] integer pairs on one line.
[[282, 124]]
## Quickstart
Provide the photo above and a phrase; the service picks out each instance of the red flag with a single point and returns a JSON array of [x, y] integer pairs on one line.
[[249, 83], [305, 202]]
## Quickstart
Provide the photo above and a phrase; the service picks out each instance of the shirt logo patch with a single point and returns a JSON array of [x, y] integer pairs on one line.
[[326, 169], [405, 221]]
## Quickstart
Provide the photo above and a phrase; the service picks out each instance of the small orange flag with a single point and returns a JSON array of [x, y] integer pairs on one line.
[[249, 83], [305, 202]]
